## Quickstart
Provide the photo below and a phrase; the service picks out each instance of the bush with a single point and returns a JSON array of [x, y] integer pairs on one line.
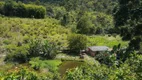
[[7, 42], [77, 42], [129, 70], [36, 48], [26, 74], [38, 64], [49, 50], [105, 58], [44, 49], [18, 54], [11, 8], [1, 7]]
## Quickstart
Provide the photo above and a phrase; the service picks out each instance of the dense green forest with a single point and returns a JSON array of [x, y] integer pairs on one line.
[[43, 39]]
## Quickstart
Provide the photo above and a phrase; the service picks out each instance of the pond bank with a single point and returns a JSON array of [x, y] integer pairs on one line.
[[70, 62], [66, 65], [87, 59]]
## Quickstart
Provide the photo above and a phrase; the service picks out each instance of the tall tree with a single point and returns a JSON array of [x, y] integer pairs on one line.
[[128, 20], [84, 25]]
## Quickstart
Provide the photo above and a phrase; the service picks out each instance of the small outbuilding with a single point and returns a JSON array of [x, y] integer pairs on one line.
[[94, 50]]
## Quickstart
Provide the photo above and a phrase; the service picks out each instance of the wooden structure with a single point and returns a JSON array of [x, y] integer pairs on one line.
[[94, 50]]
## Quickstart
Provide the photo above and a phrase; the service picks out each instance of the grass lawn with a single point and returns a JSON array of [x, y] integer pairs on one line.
[[106, 40]]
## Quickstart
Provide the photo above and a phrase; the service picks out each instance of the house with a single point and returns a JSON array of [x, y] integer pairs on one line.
[[94, 50]]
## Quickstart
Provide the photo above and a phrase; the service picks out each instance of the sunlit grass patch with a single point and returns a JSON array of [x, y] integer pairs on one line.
[[106, 40]]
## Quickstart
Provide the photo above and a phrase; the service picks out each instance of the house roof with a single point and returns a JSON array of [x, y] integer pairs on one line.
[[98, 48]]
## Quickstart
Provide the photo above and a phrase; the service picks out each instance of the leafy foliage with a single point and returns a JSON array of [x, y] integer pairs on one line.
[[51, 65], [106, 40], [18, 54], [26, 74], [1, 7], [11, 8], [34, 40], [45, 49], [127, 18], [77, 42], [84, 25], [124, 71], [35, 49]]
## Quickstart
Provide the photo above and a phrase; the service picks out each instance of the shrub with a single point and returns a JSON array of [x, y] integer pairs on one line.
[[129, 70], [36, 63], [26, 74], [44, 49], [49, 50], [7, 42], [1, 7], [18, 54], [105, 58], [77, 42], [35, 48], [52, 65]]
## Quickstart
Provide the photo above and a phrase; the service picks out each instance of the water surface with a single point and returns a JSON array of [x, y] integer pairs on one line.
[[68, 65]]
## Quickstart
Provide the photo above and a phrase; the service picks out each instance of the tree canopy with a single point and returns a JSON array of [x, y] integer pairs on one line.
[[128, 20]]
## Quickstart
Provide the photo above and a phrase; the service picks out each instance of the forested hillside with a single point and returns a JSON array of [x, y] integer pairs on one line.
[[52, 39]]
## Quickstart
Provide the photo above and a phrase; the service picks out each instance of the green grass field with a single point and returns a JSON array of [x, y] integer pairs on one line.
[[98, 40]]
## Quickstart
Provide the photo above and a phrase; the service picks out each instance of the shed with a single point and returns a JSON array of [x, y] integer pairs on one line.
[[98, 48], [94, 50]]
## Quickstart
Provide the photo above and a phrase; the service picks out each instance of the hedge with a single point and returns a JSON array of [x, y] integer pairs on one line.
[[1, 7], [11, 8]]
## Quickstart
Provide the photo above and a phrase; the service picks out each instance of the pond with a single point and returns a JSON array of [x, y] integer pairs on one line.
[[68, 65]]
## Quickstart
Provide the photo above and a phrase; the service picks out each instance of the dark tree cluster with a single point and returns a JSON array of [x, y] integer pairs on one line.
[[128, 20], [11, 8]]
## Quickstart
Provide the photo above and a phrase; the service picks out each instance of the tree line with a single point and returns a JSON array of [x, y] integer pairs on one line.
[[11, 8], [128, 22]]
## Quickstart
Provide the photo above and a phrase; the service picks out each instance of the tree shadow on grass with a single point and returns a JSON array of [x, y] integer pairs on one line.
[[71, 53]]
